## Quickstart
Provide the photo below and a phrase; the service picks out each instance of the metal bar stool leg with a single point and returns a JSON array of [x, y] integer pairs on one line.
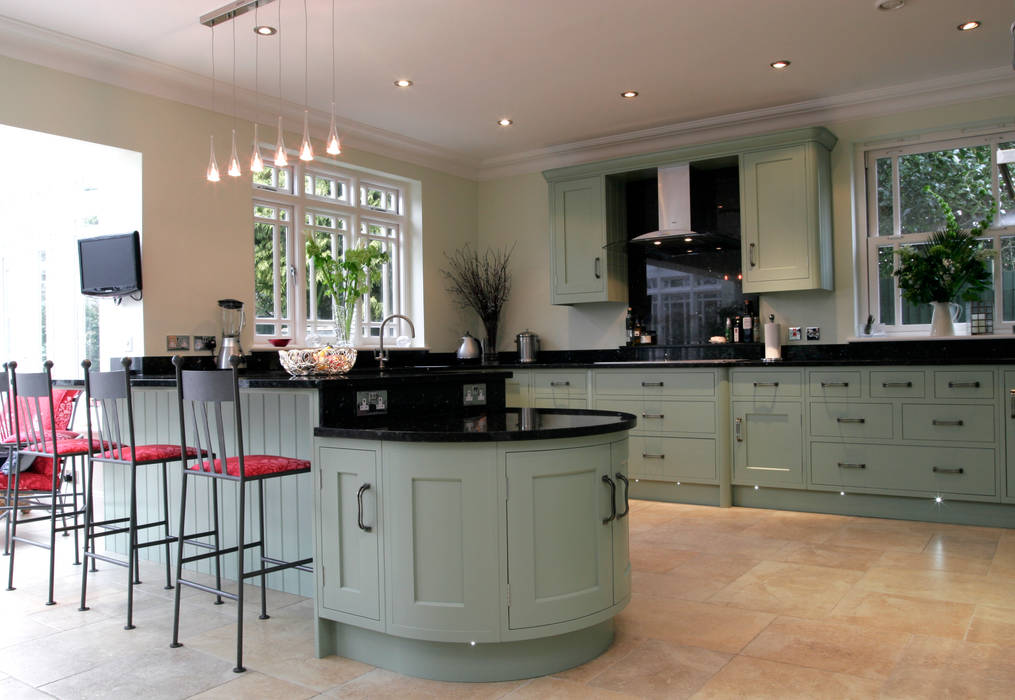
[[132, 557], [179, 561], [240, 511], [52, 533], [260, 524], [14, 530], [89, 536], [165, 527], [215, 539]]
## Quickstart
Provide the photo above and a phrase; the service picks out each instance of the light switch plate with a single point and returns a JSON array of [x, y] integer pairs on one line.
[[794, 333]]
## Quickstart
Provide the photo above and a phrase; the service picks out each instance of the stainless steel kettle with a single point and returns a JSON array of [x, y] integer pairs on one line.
[[469, 349], [528, 346]]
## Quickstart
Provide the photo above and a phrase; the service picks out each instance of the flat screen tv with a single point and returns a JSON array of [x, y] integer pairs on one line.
[[110, 265]]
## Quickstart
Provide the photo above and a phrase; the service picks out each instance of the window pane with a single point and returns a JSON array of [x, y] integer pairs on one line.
[[283, 180], [283, 270], [264, 328], [1008, 278], [264, 271], [264, 178], [264, 212], [885, 197], [960, 175], [886, 285], [1006, 185]]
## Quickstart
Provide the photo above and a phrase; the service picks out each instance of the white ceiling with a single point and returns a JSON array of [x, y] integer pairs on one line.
[[556, 67]]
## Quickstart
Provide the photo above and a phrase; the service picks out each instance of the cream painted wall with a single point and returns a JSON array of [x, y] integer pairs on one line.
[[197, 236], [516, 208]]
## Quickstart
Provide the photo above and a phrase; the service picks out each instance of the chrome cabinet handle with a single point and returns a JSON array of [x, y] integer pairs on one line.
[[772, 384], [560, 383], [359, 504], [750, 255], [959, 423], [658, 416], [1011, 397], [851, 420], [738, 429], [613, 499], [825, 385], [963, 385], [627, 490], [646, 455], [595, 269], [849, 465], [652, 384], [897, 385], [943, 470]]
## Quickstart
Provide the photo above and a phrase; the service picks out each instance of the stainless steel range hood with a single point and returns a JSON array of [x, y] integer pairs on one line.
[[674, 184]]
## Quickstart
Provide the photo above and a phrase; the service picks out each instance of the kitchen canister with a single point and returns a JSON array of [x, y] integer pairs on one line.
[[528, 346]]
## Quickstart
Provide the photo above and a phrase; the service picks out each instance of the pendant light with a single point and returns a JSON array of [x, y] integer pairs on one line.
[[212, 174], [234, 160], [280, 157], [306, 150], [334, 146], [256, 162]]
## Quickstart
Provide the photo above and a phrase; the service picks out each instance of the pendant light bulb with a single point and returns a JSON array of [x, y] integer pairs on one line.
[[234, 160], [280, 157], [256, 162], [212, 175], [334, 146], [306, 150]]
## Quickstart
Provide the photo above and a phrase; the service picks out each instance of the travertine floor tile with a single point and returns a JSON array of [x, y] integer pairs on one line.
[[835, 556], [13, 689], [1004, 557], [884, 536], [745, 677], [256, 685], [936, 561], [936, 667], [657, 560], [963, 545], [992, 626], [830, 646], [558, 689], [939, 585], [714, 627], [385, 684], [658, 669], [904, 613], [798, 529], [623, 644], [789, 589]]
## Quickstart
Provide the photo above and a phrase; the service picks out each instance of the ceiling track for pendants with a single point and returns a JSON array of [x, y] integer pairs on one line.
[[231, 11]]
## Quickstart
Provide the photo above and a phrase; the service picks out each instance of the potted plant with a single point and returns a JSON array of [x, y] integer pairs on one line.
[[481, 283], [346, 280], [950, 267]]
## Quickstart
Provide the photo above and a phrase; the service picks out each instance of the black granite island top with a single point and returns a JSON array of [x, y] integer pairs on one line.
[[491, 426]]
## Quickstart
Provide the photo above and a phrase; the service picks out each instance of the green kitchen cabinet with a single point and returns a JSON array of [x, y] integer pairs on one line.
[[349, 535], [768, 443], [621, 522], [1008, 413], [585, 218], [786, 222]]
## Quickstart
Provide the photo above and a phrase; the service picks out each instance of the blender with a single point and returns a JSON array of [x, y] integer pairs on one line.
[[233, 320]]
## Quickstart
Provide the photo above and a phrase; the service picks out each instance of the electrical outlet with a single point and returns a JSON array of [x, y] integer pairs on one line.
[[204, 342], [813, 333], [371, 403], [474, 394], [177, 342], [794, 333]]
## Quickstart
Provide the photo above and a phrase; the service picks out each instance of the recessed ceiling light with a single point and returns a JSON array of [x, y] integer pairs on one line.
[[505, 122], [971, 24], [889, 4], [779, 65], [265, 30], [629, 94], [690, 250], [403, 83], [688, 239], [657, 242]]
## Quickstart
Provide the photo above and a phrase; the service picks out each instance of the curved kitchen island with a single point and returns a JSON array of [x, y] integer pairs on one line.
[[472, 548]]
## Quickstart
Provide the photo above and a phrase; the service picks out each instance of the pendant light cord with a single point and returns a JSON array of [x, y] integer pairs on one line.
[[234, 74], [333, 59], [280, 57], [213, 69], [306, 57]]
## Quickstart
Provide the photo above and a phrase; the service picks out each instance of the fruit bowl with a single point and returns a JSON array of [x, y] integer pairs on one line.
[[329, 360]]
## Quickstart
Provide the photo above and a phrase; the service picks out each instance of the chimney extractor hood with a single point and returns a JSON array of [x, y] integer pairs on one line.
[[674, 184]]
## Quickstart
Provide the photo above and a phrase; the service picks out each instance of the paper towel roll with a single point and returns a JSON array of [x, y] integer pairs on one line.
[[773, 341]]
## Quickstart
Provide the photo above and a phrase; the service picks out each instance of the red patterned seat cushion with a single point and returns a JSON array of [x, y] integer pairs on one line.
[[254, 465], [149, 453], [30, 481], [60, 435]]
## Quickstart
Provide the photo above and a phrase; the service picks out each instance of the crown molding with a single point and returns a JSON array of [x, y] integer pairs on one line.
[[85, 59], [995, 82]]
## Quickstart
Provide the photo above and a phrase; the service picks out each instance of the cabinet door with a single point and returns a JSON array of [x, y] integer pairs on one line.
[[560, 563], [442, 558], [1009, 422], [621, 524], [349, 555], [577, 239], [767, 442], [786, 222]]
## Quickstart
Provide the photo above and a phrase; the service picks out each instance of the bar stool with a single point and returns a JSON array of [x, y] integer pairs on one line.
[[201, 396], [109, 399], [8, 454], [44, 490]]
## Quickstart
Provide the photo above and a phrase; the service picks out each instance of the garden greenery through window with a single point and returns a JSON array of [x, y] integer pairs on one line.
[[342, 210], [972, 174]]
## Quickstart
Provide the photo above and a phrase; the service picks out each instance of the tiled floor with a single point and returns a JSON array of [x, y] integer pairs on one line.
[[727, 603]]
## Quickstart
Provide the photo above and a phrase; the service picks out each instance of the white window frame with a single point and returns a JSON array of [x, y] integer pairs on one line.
[[868, 240], [401, 217]]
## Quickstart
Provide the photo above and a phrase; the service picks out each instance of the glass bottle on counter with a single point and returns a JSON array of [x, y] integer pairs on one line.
[[738, 329], [747, 336], [629, 326]]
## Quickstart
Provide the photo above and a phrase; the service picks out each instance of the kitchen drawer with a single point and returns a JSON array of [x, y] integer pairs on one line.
[[766, 384], [960, 470], [963, 384], [658, 383], [572, 383], [673, 459], [955, 423], [851, 420], [832, 384], [558, 401], [661, 417], [890, 384]]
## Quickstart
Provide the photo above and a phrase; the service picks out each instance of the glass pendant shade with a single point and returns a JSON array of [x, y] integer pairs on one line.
[[234, 160], [280, 158], [212, 175], [334, 146], [256, 162], [306, 150]]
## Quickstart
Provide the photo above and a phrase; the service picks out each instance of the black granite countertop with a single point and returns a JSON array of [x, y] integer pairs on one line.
[[493, 426]]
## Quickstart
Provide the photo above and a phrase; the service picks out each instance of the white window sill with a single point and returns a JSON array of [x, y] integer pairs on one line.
[[926, 336]]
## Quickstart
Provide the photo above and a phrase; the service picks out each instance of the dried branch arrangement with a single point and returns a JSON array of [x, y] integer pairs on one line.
[[481, 283]]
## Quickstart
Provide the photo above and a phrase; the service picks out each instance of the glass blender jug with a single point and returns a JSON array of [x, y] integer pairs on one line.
[[233, 320]]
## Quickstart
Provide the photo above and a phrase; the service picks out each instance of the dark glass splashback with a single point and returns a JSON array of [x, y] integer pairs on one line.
[[685, 289]]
